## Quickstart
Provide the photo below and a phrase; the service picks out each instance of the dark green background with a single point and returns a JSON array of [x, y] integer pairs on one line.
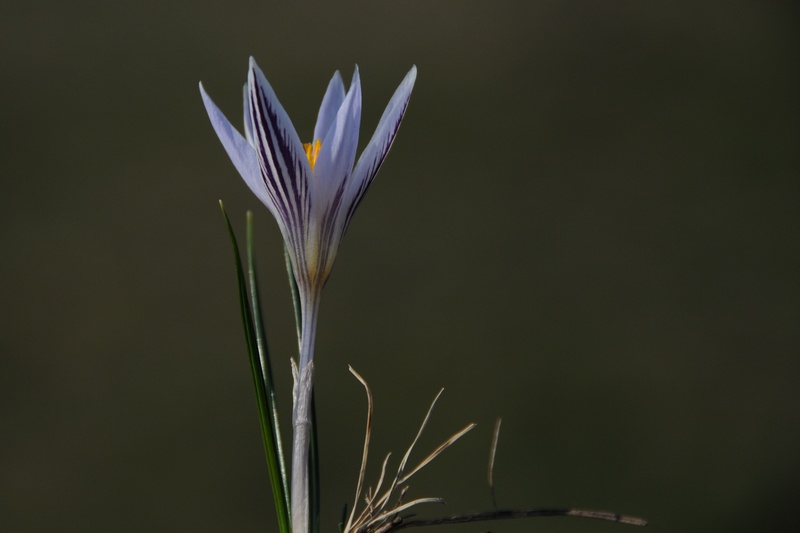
[[588, 226]]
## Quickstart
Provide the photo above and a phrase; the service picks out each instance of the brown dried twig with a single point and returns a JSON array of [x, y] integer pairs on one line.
[[379, 516], [515, 514]]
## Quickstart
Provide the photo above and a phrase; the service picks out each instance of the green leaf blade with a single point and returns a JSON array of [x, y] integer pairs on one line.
[[259, 365]]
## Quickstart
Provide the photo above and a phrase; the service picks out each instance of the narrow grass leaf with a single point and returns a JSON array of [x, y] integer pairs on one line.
[[264, 359], [267, 429]]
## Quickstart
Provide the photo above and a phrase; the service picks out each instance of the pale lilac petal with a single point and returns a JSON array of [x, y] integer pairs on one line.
[[375, 152], [248, 125], [331, 173], [239, 150], [283, 161], [331, 103], [338, 152]]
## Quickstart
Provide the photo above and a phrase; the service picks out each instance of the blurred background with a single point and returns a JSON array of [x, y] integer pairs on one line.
[[588, 226]]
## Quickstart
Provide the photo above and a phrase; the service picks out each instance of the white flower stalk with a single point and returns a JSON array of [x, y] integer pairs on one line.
[[312, 190]]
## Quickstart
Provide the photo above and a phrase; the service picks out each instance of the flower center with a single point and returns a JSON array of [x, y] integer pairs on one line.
[[312, 151]]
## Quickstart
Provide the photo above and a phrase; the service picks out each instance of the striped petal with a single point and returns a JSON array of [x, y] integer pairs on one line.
[[338, 152], [331, 103], [283, 162], [332, 170], [239, 150], [378, 147], [248, 126]]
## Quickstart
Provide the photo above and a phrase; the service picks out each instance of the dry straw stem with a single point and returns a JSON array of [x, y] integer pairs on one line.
[[492, 454], [515, 514], [376, 517]]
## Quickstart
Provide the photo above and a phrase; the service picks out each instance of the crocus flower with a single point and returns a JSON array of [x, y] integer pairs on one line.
[[312, 190]]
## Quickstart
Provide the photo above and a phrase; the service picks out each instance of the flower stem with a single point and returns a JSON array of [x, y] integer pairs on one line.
[[301, 413]]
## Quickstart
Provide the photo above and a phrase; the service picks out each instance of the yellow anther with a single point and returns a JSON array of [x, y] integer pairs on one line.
[[312, 151]]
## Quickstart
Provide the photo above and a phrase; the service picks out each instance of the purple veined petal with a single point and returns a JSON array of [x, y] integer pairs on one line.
[[282, 159], [338, 152], [332, 171], [239, 150], [248, 125], [374, 154], [331, 102]]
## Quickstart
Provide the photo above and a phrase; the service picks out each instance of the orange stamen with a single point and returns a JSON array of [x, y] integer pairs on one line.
[[312, 151]]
